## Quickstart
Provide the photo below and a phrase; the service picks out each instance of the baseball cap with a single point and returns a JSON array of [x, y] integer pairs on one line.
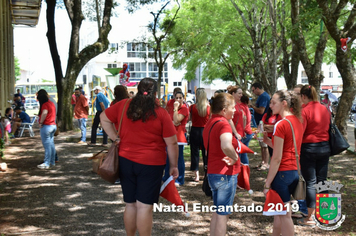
[[97, 87]]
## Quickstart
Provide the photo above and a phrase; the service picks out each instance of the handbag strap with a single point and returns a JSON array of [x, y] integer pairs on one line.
[[295, 147], [122, 116], [207, 150]]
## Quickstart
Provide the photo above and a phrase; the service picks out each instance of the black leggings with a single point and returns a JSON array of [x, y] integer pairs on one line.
[[196, 142], [314, 170]]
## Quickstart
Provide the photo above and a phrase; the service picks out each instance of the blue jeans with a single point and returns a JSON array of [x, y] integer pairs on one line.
[[243, 156], [83, 128], [181, 167], [223, 188], [303, 206], [47, 137]]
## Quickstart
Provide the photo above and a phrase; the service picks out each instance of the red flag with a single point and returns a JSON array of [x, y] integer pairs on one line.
[[274, 204], [243, 179], [242, 148], [169, 191]]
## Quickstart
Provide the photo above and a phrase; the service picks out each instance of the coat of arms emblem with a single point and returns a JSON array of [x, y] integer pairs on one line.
[[328, 206]]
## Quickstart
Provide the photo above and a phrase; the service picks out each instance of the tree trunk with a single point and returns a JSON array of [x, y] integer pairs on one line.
[[51, 37], [347, 71]]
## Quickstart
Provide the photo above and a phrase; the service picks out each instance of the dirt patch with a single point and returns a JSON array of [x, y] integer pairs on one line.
[[72, 200]]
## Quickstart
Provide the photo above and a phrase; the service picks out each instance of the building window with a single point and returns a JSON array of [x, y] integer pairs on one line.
[[330, 75], [177, 83], [304, 77], [112, 66], [136, 50]]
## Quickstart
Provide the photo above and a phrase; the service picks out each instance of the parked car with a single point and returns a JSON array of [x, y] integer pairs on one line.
[[352, 113], [31, 104]]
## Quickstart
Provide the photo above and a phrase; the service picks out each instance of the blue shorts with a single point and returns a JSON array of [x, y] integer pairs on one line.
[[284, 183], [223, 188], [140, 182]]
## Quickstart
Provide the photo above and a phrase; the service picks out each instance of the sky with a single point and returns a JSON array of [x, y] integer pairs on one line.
[[31, 45]]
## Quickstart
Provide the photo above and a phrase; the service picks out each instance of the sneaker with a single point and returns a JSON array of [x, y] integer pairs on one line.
[[81, 142], [43, 166]]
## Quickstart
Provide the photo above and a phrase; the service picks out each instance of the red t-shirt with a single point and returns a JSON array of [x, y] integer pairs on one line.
[[316, 122], [197, 120], [272, 120], [247, 112], [283, 130], [215, 155], [142, 143], [51, 115], [80, 110], [238, 119]]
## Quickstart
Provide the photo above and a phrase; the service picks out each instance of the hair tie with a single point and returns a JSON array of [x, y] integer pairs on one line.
[[309, 86], [145, 93]]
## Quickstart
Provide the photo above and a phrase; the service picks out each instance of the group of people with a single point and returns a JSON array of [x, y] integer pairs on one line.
[[13, 118], [150, 152]]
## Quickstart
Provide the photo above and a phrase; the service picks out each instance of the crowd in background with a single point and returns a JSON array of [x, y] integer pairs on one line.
[[151, 147]]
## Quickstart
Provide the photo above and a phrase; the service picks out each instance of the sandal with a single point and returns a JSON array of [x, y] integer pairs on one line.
[[259, 165], [309, 223], [263, 167], [299, 215]]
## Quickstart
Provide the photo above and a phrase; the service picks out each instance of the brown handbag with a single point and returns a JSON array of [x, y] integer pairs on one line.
[[109, 164], [301, 189]]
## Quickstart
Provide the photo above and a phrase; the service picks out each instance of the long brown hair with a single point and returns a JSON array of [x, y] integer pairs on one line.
[[143, 105]]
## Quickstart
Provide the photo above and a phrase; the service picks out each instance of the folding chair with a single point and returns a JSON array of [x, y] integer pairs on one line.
[[27, 126]]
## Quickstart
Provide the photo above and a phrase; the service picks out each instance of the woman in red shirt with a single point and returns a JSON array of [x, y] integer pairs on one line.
[[269, 120], [180, 117], [242, 119], [199, 114], [47, 121], [145, 133], [314, 157], [283, 172], [223, 161]]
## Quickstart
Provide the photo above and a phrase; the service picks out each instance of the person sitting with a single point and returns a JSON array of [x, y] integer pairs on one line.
[[20, 117], [18, 102]]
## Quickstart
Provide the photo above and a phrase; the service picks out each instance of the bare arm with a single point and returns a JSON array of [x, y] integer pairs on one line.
[[234, 129], [275, 162], [172, 149], [228, 149], [43, 116], [259, 110], [109, 127]]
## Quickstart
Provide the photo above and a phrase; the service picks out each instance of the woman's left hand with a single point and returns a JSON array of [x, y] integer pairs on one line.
[[176, 105], [229, 161]]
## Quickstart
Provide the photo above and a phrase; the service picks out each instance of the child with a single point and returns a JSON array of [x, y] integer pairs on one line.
[[5, 122]]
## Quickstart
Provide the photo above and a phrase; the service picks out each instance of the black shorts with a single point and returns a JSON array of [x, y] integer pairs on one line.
[[140, 182]]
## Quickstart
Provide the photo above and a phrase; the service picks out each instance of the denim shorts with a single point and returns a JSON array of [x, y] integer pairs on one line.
[[223, 188], [284, 183]]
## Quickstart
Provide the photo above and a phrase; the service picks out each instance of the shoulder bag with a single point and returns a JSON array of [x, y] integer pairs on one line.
[[301, 189], [206, 187], [337, 141], [109, 164]]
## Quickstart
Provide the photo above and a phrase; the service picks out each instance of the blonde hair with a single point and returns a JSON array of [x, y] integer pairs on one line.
[[202, 102]]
